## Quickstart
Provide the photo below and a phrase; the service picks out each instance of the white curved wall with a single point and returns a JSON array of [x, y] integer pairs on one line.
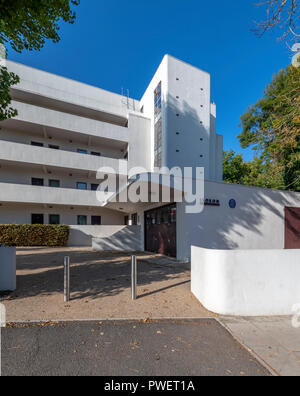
[[246, 282]]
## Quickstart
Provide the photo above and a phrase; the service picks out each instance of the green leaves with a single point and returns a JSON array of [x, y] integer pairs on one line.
[[272, 128], [28, 24], [34, 235], [7, 80]]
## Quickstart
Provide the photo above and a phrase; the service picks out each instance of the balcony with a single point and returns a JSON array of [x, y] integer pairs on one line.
[[50, 90], [33, 118], [23, 193], [17, 153]]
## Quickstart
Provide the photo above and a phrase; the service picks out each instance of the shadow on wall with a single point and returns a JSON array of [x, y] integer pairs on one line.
[[256, 223], [258, 220], [122, 238], [187, 143], [128, 239]]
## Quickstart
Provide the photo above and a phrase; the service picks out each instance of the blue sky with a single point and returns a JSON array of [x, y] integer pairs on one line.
[[117, 43]]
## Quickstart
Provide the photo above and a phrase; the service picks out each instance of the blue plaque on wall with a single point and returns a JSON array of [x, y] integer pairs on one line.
[[232, 203]]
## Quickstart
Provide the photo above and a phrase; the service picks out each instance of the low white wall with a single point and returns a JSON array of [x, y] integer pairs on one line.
[[119, 238], [7, 269], [246, 282]]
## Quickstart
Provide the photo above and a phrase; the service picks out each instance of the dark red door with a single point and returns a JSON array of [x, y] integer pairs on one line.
[[160, 231], [292, 228]]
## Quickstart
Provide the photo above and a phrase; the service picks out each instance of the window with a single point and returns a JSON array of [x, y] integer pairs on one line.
[[37, 182], [157, 99], [37, 144], [94, 187], [53, 147], [54, 219], [126, 220], [135, 219], [82, 220], [96, 154], [96, 220], [158, 131], [80, 151], [54, 183], [81, 186], [37, 219]]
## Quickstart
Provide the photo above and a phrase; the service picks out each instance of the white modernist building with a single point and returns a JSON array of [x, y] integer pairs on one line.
[[65, 131]]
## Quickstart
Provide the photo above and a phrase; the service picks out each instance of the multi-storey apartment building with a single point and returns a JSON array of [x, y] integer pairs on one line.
[[65, 131]]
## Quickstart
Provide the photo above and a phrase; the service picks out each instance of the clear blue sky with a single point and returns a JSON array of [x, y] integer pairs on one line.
[[117, 43]]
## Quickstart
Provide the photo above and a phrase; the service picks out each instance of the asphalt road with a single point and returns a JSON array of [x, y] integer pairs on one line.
[[156, 348]]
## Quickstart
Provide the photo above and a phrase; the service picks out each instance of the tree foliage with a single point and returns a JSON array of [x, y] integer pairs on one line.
[[28, 24], [7, 80], [272, 128]]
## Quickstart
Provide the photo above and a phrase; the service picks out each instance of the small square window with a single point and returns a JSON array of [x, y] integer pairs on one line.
[[37, 218], [80, 151], [54, 183], [96, 220], [53, 147], [94, 187], [37, 144], [81, 186], [82, 220], [37, 182], [54, 219]]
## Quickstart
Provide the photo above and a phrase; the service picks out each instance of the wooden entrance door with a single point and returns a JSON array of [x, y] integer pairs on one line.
[[292, 228], [160, 231]]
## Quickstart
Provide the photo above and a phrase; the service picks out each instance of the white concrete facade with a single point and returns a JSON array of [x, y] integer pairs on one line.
[[65, 131], [246, 282], [257, 221]]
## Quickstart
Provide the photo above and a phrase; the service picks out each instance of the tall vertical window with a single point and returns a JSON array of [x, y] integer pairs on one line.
[[158, 126]]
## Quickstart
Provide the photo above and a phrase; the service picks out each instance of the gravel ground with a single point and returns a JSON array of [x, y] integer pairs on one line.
[[100, 285]]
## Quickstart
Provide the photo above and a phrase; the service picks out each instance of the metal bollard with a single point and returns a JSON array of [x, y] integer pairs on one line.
[[67, 279], [133, 277]]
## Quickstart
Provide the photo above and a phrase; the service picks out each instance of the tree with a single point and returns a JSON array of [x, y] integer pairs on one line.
[[28, 25], [282, 14], [234, 167], [6, 81], [272, 128]]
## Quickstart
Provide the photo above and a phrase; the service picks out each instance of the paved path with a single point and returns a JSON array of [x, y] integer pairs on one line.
[[100, 287], [130, 348], [273, 339]]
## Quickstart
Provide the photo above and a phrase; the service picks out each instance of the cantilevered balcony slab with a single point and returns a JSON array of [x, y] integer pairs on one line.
[[69, 95], [18, 154], [23, 193], [30, 116]]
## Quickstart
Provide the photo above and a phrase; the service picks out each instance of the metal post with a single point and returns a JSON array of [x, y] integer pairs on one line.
[[133, 277], [67, 279]]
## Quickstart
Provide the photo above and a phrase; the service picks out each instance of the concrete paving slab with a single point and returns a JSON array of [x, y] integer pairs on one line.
[[272, 339]]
